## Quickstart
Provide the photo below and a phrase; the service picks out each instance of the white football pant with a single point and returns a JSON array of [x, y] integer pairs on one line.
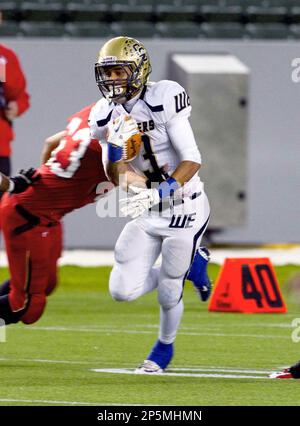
[[176, 234]]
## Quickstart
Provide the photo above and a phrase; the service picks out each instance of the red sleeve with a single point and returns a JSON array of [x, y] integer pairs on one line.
[[15, 89], [23, 102]]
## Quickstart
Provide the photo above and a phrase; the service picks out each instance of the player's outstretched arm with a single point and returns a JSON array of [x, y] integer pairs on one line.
[[185, 171], [4, 183], [51, 143], [20, 182]]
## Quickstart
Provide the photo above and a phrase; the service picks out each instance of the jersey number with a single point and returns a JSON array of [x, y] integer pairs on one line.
[[65, 159]]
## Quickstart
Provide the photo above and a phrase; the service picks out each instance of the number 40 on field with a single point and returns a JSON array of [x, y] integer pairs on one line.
[[247, 285]]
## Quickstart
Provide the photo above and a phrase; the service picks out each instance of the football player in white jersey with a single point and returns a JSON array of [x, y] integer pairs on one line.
[[170, 210]]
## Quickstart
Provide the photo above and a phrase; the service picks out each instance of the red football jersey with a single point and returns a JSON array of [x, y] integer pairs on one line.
[[70, 178], [12, 88]]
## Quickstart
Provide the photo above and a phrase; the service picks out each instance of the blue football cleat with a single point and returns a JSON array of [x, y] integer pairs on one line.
[[198, 273], [158, 360]]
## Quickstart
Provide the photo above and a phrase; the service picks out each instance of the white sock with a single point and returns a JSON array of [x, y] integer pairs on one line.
[[169, 322]]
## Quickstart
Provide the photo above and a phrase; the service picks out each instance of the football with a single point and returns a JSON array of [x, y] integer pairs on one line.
[[131, 147]]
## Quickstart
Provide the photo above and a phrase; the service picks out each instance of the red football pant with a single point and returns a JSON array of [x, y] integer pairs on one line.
[[32, 257]]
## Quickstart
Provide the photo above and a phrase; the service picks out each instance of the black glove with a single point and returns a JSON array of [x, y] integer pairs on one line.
[[24, 179]]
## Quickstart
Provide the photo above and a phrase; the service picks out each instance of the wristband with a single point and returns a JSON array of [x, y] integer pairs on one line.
[[168, 187], [114, 153]]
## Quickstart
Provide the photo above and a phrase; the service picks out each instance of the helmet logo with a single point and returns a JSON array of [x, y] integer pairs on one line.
[[108, 59], [141, 51]]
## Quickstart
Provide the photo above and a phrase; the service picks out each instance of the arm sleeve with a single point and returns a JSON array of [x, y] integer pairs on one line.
[[17, 84], [177, 109], [176, 102], [182, 138]]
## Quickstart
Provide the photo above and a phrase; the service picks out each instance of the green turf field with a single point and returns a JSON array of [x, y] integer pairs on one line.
[[82, 329]]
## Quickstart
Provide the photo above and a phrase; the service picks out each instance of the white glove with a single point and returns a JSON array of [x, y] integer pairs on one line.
[[137, 204], [120, 129]]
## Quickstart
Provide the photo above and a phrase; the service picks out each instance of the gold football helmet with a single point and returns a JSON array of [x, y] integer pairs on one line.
[[129, 58]]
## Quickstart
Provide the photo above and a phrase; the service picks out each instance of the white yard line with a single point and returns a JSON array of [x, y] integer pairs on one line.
[[127, 366], [182, 328], [220, 369], [48, 361], [121, 331], [210, 369], [211, 375], [45, 401]]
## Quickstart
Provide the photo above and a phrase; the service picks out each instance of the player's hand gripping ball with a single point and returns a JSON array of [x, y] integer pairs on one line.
[[123, 132]]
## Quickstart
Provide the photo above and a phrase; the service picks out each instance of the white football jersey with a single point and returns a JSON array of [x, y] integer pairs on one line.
[[162, 112]]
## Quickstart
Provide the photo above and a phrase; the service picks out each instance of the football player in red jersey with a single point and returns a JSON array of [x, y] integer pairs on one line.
[[14, 101], [31, 220]]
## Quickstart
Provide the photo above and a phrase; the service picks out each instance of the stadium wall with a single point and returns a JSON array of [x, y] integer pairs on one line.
[[61, 81]]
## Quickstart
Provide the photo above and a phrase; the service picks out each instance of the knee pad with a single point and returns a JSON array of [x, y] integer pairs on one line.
[[169, 292], [117, 286], [176, 270], [35, 309]]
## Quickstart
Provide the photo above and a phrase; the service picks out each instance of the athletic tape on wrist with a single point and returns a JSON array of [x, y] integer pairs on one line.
[[114, 153]]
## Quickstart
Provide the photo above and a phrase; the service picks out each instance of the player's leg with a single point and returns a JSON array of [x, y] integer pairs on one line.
[[28, 262], [39, 246], [171, 280], [170, 287], [178, 250], [198, 273], [55, 237], [16, 253], [28, 256], [135, 254]]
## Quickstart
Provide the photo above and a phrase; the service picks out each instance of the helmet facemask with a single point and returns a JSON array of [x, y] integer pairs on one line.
[[123, 89]]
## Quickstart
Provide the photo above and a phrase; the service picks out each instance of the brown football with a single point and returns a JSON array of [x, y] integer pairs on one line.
[[132, 147]]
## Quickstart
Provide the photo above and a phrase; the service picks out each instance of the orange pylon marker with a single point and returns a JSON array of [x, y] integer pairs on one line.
[[247, 285]]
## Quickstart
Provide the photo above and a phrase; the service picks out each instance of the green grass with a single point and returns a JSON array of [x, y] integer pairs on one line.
[[83, 329]]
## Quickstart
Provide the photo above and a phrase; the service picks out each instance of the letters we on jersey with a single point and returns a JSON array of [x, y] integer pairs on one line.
[[181, 101], [182, 221]]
